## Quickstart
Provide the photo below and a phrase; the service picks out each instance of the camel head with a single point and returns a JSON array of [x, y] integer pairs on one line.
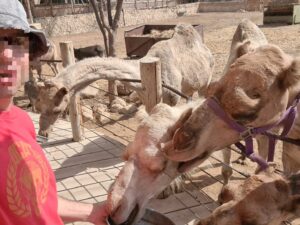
[[262, 199], [52, 101], [254, 92], [147, 171]]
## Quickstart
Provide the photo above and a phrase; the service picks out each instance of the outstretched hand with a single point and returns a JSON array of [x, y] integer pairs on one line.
[[99, 214]]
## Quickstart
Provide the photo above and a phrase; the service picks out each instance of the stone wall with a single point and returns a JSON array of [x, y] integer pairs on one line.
[[82, 23]]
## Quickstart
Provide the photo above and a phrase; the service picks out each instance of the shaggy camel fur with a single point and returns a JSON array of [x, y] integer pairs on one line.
[[264, 199], [147, 171], [246, 38], [186, 64], [255, 91]]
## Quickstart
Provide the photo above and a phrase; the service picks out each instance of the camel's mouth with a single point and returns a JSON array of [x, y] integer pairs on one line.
[[130, 219], [185, 166]]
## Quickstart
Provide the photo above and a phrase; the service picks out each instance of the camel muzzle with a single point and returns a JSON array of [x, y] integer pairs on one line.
[[130, 219]]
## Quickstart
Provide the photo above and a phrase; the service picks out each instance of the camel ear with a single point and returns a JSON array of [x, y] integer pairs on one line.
[[244, 48], [60, 95], [183, 138], [182, 119], [291, 76], [174, 130]]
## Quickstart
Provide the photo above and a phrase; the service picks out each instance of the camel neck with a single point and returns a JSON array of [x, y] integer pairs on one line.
[[79, 75]]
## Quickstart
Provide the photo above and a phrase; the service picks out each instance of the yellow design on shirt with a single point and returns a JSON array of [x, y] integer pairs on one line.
[[27, 180]]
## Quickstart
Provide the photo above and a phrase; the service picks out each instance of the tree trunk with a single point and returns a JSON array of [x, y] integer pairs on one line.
[[101, 26], [109, 32]]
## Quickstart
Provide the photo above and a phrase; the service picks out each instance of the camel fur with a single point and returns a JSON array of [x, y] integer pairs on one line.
[[186, 64], [264, 199], [147, 172], [246, 39], [255, 92]]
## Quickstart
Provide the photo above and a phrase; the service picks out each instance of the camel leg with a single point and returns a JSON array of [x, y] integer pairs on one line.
[[226, 170], [290, 158], [263, 148]]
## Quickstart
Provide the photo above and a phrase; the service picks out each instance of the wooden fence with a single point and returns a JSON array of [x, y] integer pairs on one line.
[[150, 70]]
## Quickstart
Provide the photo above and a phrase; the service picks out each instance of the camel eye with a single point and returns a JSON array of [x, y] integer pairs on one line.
[[254, 95]]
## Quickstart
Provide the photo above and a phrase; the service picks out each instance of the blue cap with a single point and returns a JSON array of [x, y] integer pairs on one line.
[[13, 16]]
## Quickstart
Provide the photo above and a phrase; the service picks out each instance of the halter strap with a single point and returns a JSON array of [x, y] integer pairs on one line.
[[247, 133]]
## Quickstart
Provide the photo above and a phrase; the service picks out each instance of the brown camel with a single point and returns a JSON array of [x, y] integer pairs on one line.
[[264, 199], [255, 91], [247, 38]]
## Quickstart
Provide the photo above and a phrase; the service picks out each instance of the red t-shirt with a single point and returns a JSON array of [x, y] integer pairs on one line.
[[27, 184]]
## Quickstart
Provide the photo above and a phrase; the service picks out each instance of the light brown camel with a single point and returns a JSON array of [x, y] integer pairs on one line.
[[255, 91], [147, 172], [186, 64], [264, 199], [247, 38]]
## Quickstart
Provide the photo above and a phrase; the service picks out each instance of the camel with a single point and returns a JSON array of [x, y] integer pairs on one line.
[[256, 91], [37, 64], [263, 199], [247, 38], [186, 64], [147, 172]]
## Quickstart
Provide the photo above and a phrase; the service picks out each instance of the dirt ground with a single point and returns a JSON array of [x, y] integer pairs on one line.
[[218, 32]]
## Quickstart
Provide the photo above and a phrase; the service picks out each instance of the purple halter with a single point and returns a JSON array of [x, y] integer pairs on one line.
[[247, 133]]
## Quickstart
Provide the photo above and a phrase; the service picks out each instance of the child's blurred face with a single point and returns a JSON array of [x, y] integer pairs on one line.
[[14, 61]]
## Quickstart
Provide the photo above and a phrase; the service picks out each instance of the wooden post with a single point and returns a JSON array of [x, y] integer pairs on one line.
[[67, 55], [150, 68]]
